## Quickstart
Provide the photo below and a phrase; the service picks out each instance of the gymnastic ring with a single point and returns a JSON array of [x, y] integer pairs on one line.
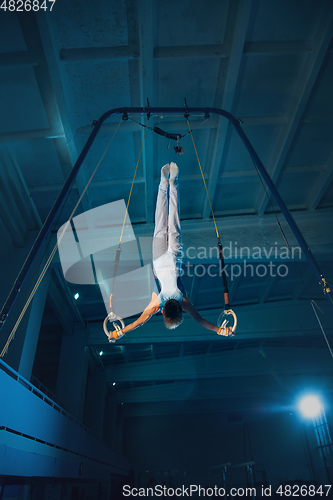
[[112, 317], [228, 311]]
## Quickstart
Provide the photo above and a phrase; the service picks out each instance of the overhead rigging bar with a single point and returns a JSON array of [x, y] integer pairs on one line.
[[160, 110]]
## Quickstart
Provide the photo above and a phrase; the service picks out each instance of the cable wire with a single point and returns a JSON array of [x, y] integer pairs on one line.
[[321, 327], [136, 168], [203, 178]]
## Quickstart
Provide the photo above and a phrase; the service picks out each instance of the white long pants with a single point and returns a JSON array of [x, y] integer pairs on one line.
[[167, 234]]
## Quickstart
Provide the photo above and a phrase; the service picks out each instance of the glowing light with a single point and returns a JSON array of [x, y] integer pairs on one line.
[[310, 406], [101, 353], [76, 296], [114, 383]]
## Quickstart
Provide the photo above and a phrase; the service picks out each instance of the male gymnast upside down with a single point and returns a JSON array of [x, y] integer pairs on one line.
[[167, 261]]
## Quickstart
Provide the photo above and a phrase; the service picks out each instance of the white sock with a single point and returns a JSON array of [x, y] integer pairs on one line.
[[173, 171], [165, 174]]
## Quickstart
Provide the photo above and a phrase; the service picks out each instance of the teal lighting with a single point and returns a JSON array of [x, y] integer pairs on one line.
[[310, 406]]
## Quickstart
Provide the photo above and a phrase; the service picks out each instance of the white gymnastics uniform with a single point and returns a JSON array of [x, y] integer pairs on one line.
[[167, 244]]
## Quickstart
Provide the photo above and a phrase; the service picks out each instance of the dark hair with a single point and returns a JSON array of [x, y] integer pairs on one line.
[[172, 314]]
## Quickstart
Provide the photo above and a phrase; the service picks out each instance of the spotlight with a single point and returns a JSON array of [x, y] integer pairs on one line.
[[101, 353], [76, 296], [310, 406]]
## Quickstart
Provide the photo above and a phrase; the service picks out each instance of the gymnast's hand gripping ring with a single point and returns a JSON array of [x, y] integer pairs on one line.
[[113, 318], [224, 324]]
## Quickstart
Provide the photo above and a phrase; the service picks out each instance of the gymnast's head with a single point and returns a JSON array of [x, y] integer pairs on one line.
[[172, 314]]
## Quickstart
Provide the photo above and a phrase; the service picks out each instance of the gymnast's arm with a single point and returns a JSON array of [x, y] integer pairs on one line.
[[150, 310], [188, 307]]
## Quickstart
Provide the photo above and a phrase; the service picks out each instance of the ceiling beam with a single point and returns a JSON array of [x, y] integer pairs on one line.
[[268, 288], [130, 126], [20, 58], [97, 53], [244, 408], [261, 321], [302, 285], [302, 91], [127, 52], [103, 183], [321, 185], [146, 22], [55, 98], [278, 47], [229, 176], [194, 288], [12, 211], [27, 135], [221, 50], [210, 389], [241, 363], [20, 194], [239, 31], [263, 120], [213, 50], [131, 7]]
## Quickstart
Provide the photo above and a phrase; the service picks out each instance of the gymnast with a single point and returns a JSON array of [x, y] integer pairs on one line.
[[167, 262]]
